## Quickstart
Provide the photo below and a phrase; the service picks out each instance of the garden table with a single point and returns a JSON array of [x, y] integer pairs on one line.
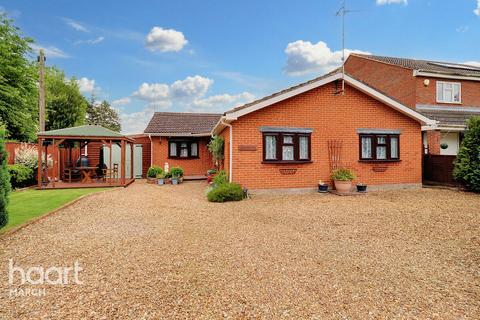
[[87, 173]]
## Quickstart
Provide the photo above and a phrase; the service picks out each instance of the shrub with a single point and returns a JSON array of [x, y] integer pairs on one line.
[[27, 155], [226, 192], [220, 178], [467, 164], [4, 180], [176, 172], [343, 175], [153, 171], [21, 176]]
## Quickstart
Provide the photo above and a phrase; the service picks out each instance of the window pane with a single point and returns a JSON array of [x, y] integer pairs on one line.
[[184, 152], [456, 92], [448, 94], [394, 147], [194, 149], [173, 149], [303, 145], [287, 139], [270, 147], [439, 91], [381, 152], [381, 140], [366, 148], [287, 153]]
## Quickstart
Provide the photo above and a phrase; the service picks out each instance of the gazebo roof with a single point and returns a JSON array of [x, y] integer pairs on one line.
[[86, 131]]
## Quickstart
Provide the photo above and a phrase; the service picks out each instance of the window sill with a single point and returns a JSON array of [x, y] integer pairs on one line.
[[450, 102], [380, 161], [286, 162], [183, 158]]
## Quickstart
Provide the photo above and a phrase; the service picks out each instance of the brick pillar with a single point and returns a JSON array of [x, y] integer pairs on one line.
[[433, 140]]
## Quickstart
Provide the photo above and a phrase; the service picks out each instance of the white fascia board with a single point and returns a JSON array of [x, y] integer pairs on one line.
[[445, 128], [260, 105], [389, 101], [420, 73]]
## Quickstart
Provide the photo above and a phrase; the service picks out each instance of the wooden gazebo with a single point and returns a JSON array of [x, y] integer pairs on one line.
[[66, 164]]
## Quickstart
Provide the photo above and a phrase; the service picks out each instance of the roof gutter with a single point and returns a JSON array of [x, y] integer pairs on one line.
[[421, 73]]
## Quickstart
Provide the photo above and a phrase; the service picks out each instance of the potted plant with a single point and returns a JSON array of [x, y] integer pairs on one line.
[[342, 179], [177, 172], [361, 187], [160, 179], [167, 177], [322, 187], [152, 173], [174, 179]]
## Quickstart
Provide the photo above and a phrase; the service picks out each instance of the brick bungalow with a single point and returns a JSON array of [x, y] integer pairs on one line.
[[180, 139], [293, 138]]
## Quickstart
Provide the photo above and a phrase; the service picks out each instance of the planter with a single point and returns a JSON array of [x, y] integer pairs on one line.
[[152, 180], [361, 188], [343, 186], [323, 188], [174, 181], [160, 182]]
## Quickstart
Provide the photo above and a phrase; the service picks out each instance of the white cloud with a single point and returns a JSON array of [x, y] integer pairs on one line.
[[75, 25], [86, 85], [477, 10], [221, 102], [462, 29], [473, 63], [383, 2], [195, 86], [135, 122], [152, 92], [50, 51], [165, 40], [91, 41], [121, 101], [304, 57]]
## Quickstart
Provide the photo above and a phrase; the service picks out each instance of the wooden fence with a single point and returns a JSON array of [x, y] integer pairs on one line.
[[438, 169]]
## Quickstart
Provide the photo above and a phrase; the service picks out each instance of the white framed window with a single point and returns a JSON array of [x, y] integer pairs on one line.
[[449, 92]]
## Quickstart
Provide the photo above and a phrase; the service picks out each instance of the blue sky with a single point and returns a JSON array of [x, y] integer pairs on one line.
[[208, 56]]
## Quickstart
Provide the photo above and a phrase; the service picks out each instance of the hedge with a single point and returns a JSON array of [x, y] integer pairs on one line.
[[21, 176], [4, 180]]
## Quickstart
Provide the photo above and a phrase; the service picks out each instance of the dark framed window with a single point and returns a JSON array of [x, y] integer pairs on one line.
[[183, 149], [379, 147], [285, 147]]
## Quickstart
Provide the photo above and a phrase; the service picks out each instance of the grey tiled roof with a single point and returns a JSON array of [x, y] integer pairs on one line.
[[448, 116], [182, 123], [338, 70], [450, 68]]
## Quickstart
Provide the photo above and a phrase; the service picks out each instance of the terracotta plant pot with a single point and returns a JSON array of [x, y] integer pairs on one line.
[[152, 180], [343, 186]]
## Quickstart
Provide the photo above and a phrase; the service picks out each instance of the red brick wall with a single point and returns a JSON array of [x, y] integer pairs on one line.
[[470, 92], [395, 81], [433, 141], [332, 117], [191, 167]]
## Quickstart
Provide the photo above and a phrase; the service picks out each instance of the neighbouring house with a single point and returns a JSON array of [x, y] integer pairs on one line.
[[442, 91], [295, 137], [180, 139]]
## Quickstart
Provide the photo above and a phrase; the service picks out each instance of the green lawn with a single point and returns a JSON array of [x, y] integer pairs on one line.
[[28, 204]]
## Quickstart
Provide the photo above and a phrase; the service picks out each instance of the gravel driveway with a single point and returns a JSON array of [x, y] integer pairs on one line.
[[165, 252]]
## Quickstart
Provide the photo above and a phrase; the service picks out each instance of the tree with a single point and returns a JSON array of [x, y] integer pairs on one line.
[[103, 115], [4, 180], [65, 104], [216, 149], [467, 164], [18, 88]]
